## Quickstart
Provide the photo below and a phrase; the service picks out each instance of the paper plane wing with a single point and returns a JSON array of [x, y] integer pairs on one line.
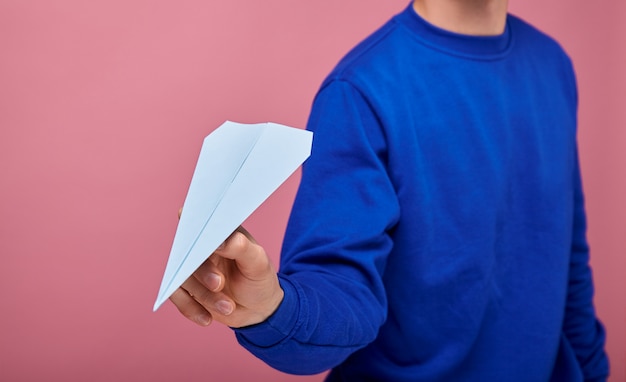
[[239, 167]]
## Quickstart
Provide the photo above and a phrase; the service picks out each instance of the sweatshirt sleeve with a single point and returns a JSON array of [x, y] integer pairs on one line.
[[336, 244], [582, 329]]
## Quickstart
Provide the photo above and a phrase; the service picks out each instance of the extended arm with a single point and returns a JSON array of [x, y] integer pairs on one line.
[[328, 299], [337, 243]]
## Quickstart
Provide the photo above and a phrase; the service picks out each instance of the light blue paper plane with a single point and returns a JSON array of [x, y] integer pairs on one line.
[[240, 165]]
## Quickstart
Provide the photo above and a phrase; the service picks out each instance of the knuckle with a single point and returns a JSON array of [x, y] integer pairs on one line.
[[240, 242], [205, 298]]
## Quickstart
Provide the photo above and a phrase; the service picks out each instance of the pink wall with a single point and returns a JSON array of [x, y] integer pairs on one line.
[[103, 105]]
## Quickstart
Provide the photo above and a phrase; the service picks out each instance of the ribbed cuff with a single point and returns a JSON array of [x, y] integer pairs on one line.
[[277, 326]]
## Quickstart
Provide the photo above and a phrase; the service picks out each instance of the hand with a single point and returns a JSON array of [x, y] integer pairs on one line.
[[237, 285]]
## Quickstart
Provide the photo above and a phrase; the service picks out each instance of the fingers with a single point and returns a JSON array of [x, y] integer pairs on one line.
[[200, 304], [213, 301], [190, 308], [236, 286], [206, 285], [210, 274], [216, 303]]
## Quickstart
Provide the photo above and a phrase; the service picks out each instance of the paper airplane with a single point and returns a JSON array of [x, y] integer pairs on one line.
[[240, 165]]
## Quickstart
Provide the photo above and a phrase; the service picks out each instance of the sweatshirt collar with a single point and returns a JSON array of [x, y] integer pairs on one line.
[[484, 47]]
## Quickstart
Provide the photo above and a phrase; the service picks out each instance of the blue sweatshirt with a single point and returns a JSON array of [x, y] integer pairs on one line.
[[439, 230]]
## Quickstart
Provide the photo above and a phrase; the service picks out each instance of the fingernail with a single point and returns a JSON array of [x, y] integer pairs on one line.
[[213, 281], [203, 319], [224, 307]]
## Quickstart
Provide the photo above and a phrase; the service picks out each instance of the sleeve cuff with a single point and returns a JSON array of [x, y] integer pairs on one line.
[[279, 325]]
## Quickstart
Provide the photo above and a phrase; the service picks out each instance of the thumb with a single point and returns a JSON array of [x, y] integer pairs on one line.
[[248, 255], [246, 233]]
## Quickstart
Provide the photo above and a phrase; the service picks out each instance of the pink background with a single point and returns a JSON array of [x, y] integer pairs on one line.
[[103, 106]]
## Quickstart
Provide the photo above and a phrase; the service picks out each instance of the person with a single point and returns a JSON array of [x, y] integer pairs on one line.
[[438, 233]]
